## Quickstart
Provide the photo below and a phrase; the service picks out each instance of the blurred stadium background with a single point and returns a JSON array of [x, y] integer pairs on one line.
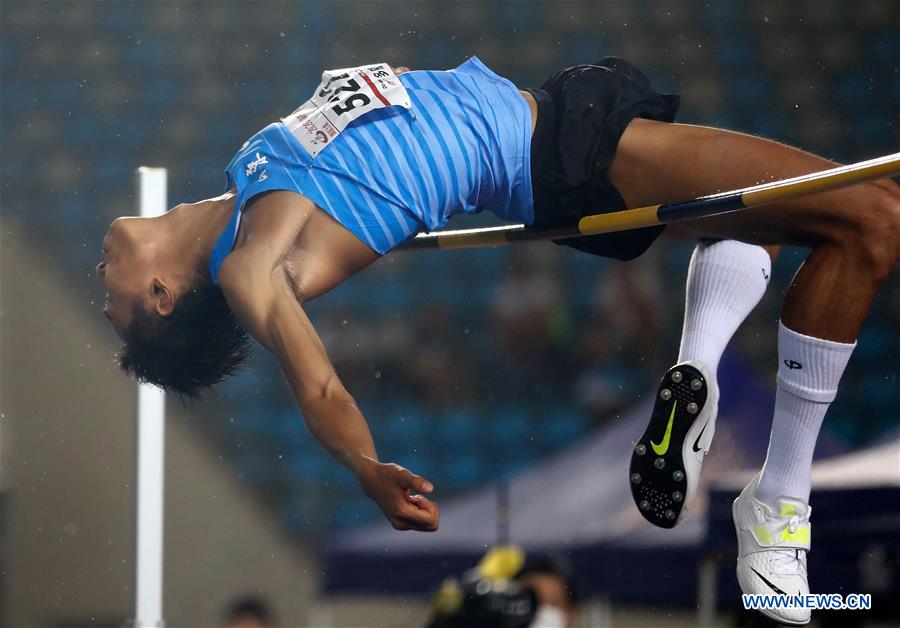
[[472, 367]]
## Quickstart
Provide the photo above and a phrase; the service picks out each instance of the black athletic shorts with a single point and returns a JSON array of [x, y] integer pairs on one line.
[[582, 113]]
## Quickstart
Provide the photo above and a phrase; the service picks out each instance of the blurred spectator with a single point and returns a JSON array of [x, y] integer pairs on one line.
[[438, 363], [530, 318], [524, 306], [508, 590], [553, 581], [249, 612], [622, 341]]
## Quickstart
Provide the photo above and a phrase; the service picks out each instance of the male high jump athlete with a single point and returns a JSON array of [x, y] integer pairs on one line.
[[373, 157]]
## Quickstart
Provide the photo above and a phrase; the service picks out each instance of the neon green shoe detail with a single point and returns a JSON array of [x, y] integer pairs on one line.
[[663, 447], [762, 535], [788, 510], [799, 535]]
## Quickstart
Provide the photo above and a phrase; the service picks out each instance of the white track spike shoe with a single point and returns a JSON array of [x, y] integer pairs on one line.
[[773, 540], [666, 461]]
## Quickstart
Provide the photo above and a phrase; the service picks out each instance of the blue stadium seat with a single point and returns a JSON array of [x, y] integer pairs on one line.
[[353, 512], [854, 92], [302, 465], [766, 123], [163, 94], [736, 54], [316, 16], [290, 428], [893, 91], [880, 385], [509, 425], [723, 120], [883, 408], [516, 20], [112, 172], [253, 94], [875, 130], [564, 427], [336, 480], [878, 341], [249, 428], [151, 54], [126, 16], [78, 210], [464, 469], [884, 50], [508, 466], [748, 91], [443, 52], [17, 95], [10, 52], [405, 425], [391, 296], [458, 428], [421, 461], [585, 48], [62, 94]]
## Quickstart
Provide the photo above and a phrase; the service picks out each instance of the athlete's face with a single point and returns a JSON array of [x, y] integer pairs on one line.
[[123, 271]]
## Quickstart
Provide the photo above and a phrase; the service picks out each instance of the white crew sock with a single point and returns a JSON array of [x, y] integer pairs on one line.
[[809, 370], [726, 279]]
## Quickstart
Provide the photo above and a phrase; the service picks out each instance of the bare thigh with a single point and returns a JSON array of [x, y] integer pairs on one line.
[[658, 162]]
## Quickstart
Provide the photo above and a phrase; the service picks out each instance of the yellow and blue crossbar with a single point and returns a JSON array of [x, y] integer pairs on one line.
[[703, 207]]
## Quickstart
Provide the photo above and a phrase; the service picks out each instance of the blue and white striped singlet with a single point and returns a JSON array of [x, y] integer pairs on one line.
[[462, 146]]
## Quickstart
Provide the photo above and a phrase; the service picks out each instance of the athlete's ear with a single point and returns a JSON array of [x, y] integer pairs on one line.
[[163, 297]]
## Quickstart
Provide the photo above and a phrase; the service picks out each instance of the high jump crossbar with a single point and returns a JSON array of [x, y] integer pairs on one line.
[[652, 215], [151, 438]]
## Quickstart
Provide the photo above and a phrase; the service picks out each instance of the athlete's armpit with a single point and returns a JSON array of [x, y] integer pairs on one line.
[[263, 301]]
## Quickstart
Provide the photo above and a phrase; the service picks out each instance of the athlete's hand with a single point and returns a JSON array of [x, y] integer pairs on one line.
[[400, 69], [400, 494]]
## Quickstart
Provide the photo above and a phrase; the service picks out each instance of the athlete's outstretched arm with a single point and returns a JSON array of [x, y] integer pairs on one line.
[[265, 304]]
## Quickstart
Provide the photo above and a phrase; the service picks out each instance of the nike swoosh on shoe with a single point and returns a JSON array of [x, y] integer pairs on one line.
[[769, 584], [663, 447], [697, 442]]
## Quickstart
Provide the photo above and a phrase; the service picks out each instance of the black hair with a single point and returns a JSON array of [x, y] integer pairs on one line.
[[199, 344], [250, 605]]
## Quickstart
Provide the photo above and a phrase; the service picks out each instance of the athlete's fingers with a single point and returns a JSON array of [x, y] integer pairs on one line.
[[423, 519], [399, 524], [420, 501], [400, 69], [415, 482], [423, 503]]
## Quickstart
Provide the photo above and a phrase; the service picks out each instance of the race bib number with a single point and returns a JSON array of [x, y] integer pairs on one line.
[[342, 97]]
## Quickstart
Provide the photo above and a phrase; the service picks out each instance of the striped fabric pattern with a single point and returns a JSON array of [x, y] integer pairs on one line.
[[464, 146]]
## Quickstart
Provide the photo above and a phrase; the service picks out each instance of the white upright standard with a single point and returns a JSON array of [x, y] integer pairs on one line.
[[151, 432]]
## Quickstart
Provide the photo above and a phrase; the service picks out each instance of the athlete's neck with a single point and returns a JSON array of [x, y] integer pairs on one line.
[[195, 227]]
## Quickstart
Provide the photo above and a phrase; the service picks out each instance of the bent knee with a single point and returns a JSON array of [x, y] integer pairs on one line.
[[877, 232]]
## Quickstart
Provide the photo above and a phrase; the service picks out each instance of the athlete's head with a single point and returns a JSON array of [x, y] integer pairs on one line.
[[177, 328]]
